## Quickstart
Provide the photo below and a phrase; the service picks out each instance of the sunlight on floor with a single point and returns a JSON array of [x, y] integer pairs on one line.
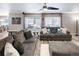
[[44, 51]]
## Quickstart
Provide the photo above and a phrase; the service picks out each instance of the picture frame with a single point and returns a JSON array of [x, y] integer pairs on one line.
[[16, 20]]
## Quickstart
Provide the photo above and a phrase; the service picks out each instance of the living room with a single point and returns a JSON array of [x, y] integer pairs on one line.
[[39, 29]]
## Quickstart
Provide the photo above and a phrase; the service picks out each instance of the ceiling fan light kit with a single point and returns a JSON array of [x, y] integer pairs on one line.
[[45, 8]]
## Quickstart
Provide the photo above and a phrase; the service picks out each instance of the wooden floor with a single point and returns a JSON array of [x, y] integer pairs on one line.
[[75, 39]]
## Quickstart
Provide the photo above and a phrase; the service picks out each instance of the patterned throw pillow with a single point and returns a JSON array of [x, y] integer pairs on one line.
[[10, 50], [28, 34], [18, 46], [44, 30], [64, 30]]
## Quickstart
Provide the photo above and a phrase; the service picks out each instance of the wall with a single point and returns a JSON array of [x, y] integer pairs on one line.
[[15, 26], [69, 21], [21, 26]]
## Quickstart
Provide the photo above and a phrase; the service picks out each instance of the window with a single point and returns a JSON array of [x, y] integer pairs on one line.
[[4, 22], [28, 22], [31, 22], [52, 21]]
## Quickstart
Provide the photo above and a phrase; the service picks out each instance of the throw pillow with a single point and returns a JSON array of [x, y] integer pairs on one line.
[[10, 50], [59, 30], [44, 30], [18, 46], [28, 34], [64, 30], [53, 29]]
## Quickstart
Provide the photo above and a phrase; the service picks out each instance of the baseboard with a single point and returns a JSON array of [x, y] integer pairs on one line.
[[74, 34]]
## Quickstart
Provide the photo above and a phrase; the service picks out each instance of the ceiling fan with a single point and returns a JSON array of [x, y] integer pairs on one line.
[[45, 7]]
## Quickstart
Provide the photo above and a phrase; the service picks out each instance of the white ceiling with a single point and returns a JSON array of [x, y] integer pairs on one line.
[[35, 7]]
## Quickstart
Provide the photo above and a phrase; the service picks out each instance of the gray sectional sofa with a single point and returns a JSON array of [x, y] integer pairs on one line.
[[29, 42], [30, 46], [54, 35], [25, 46]]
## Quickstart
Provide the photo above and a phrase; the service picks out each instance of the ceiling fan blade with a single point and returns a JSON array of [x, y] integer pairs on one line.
[[53, 8]]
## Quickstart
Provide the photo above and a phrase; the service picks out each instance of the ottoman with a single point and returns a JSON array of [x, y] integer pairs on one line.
[[63, 48]]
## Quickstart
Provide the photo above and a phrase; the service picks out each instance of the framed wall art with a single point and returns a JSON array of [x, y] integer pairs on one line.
[[16, 20]]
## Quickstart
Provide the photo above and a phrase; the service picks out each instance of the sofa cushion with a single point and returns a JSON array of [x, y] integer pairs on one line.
[[28, 34], [31, 40], [19, 36], [18, 46], [30, 46], [10, 50], [2, 45]]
